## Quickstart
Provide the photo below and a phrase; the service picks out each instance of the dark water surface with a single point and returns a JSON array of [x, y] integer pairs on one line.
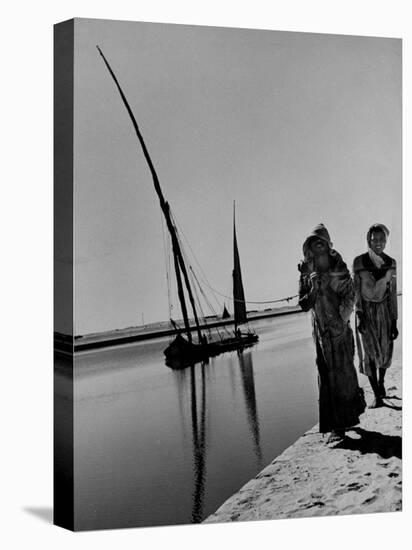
[[155, 446]]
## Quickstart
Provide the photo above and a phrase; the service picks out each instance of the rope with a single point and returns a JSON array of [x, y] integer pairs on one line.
[[207, 301], [166, 250], [287, 299], [194, 282], [206, 282], [204, 277]]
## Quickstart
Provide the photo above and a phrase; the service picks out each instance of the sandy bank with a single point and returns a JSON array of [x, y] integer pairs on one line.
[[362, 474]]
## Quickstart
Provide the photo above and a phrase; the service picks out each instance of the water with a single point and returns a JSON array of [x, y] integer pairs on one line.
[[155, 446]]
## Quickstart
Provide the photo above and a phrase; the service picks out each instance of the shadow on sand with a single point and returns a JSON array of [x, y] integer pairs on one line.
[[394, 407], [385, 446], [45, 514]]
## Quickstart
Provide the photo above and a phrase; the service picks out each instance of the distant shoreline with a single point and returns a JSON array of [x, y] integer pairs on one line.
[[66, 343], [69, 344]]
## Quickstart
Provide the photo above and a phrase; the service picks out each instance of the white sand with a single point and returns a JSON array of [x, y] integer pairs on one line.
[[312, 478]]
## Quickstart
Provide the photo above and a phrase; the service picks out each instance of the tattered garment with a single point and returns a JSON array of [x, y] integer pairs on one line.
[[340, 398], [375, 290]]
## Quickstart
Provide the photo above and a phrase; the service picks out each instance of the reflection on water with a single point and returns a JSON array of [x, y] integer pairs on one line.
[[154, 446], [199, 442], [198, 422], [248, 381], [198, 428], [63, 440]]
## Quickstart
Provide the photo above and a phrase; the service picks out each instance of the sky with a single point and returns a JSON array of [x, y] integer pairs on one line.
[[297, 128]]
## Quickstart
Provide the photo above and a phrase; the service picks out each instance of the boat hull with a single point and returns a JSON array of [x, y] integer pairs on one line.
[[181, 353]]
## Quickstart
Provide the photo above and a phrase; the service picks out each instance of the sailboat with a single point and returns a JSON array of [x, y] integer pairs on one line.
[[184, 350], [225, 313]]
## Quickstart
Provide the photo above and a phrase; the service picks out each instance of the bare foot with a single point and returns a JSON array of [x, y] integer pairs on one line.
[[376, 403], [335, 436]]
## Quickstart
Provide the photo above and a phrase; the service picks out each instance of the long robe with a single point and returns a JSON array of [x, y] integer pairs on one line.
[[341, 400], [375, 290]]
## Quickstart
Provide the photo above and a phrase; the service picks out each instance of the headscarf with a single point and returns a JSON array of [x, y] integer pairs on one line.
[[318, 232], [337, 278], [338, 267], [376, 259]]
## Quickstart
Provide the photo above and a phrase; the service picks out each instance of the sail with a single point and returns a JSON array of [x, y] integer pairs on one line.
[[225, 314], [238, 292]]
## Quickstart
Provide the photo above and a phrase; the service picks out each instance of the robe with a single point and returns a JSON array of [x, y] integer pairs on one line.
[[376, 300], [341, 400]]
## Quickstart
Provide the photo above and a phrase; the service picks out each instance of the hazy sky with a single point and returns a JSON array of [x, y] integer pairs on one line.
[[297, 128]]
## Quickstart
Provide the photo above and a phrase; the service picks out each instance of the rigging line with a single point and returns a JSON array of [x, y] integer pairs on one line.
[[187, 263], [217, 329], [210, 306], [203, 292], [192, 282], [195, 258], [199, 305], [192, 273], [167, 262], [287, 299], [207, 302], [169, 259], [205, 280], [183, 252], [195, 282]]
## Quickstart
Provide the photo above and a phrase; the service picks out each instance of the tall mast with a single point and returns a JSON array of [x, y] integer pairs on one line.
[[177, 253], [239, 305]]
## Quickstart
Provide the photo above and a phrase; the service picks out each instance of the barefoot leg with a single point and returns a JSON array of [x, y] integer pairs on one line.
[[336, 435], [373, 380], [381, 382]]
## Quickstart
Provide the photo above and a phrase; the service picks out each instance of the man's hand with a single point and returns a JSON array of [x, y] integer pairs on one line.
[[394, 330], [315, 280], [361, 321]]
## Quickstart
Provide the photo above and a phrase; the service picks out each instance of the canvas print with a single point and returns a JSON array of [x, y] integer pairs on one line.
[[228, 274]]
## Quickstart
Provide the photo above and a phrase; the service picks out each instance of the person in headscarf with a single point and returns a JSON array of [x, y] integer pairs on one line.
[[376, 310], [326, 288]]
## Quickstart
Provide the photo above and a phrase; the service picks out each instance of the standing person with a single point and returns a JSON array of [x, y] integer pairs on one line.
[[326, 288], [376, 309]]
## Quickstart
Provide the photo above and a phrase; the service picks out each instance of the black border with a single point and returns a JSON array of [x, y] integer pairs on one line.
[[63, 490]]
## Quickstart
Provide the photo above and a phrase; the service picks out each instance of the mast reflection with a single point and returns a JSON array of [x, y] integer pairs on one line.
[[248, 383], [197, 390], [191, 385], [199, 442]]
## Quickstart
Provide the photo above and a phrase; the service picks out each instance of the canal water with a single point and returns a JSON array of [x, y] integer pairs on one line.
[[154, 446]]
